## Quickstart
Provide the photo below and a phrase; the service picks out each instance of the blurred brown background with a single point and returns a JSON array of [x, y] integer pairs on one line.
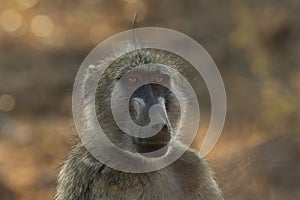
[[255, 44]]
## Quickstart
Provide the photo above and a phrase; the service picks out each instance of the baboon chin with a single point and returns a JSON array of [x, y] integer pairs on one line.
[[83, 177]]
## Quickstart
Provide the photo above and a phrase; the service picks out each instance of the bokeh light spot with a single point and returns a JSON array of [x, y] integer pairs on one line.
[[11, 20], [41, 26]]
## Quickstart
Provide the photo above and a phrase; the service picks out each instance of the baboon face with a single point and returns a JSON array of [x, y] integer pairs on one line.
[[150, 92], [151, 87]]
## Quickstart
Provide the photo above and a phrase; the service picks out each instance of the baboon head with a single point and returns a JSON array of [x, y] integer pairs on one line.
[[145, 79]]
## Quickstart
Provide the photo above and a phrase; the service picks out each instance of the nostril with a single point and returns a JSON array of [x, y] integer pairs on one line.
[[138, 103]]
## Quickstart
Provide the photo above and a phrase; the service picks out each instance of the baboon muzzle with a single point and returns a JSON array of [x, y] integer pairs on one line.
[[143, 99]]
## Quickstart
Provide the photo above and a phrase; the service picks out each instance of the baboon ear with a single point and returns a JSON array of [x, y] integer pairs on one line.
[[91, 69], [90, 77], [88, 83]]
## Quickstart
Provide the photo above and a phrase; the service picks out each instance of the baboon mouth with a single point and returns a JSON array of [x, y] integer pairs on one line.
[[154, 143]]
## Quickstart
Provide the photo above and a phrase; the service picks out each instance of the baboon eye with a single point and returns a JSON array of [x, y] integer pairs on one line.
[[132, 80], [159, 79]]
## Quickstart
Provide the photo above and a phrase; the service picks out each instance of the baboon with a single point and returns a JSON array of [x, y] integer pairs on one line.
[[83, 177]]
